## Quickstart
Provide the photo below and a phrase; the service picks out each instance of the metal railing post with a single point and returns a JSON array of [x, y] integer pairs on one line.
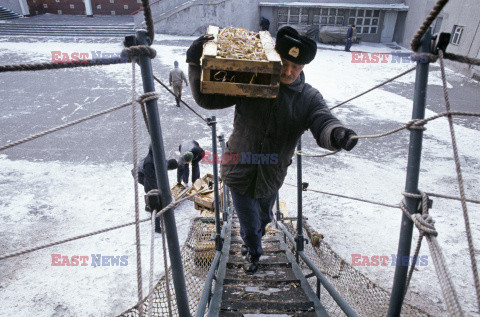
[[221, 138], [299, 239], [413, 170], [218, 239], [162, 180]]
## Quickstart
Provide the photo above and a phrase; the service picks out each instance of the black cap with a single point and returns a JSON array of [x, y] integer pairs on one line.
[[294, 47]]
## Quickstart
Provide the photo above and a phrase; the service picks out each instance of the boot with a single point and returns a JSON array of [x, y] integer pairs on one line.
[[244, 250], [250, 266]]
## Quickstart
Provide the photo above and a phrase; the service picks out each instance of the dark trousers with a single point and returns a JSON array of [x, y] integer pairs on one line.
[[195, 172], [348, 45], [254, 215]]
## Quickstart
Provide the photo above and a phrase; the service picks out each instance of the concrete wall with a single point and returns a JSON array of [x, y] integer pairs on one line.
[[344, 1], [194, 16], [12, 5], [457, 12]]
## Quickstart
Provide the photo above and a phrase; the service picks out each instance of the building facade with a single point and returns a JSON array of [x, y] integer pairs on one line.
[[461, 18], [374, 22], [75, 7]]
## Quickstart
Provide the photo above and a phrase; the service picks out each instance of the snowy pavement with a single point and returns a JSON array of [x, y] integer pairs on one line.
[[78, 180]]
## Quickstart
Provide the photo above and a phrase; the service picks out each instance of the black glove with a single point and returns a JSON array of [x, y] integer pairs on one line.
[[195, 50], [342, 137]]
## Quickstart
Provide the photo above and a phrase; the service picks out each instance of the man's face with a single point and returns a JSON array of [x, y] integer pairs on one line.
[[290, 72]]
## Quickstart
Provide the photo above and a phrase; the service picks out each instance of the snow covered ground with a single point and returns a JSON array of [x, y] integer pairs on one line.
[[78, 180]]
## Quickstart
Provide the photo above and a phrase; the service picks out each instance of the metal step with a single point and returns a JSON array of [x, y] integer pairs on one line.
[[273, 290]]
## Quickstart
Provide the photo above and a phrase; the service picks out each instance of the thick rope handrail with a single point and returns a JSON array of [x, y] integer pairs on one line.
[[173, 204], [63, 126], [460, 182], [125, 57], [52, 65], [170, 91], [425, 224], [452, 197], [415, 44], [152, 262], [72, 123], [165, 266], [462, 58], [412, 124], [348, 197], [315, 155], [147, 14], [377, 86], [418, 123], [135, 180]]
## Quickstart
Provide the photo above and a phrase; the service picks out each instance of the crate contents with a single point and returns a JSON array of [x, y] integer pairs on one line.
[[238, 62]]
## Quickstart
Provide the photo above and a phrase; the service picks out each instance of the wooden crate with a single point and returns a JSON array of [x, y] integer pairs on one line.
[[252, 78], [205, 200]]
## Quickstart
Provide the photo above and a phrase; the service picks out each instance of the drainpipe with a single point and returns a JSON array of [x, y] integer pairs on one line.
[[88, 8], [24, 6]]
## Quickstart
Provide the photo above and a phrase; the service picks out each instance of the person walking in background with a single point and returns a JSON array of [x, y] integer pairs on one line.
[[349, 38], [269, 127], [175, 78], [190, 152]]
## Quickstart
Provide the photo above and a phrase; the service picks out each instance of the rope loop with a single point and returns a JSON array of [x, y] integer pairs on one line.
[[423, 220], [147, 97], [139, 50], [416, 124], [424, 57]]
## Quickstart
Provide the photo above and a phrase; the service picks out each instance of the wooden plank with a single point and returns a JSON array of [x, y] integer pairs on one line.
[[237, 89], [241, 65], [269, 47], [210, 48]]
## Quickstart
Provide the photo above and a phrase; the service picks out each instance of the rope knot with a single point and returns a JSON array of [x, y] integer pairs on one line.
[[147, 97], [416, 124], [139, 50], [424, 57], [423, 221]]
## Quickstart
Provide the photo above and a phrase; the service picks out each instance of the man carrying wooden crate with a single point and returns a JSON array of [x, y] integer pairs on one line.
[[269, 128]]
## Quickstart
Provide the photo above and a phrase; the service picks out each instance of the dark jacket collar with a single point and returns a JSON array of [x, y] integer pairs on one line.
[[298, 84]]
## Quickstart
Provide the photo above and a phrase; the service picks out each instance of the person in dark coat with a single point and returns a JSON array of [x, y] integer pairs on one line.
[[146, 171], [147, 177], [270, 130], [349, 38], [190, 152], [264, 24]]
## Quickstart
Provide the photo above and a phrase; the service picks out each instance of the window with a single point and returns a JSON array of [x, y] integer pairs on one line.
[[456, 34], [293, 16], [112, 12], [125, 6], [99, 6], [59, 11], [45, 5], [366, 21], [329, 16], [72, 6], [112, 1], [437, 24]]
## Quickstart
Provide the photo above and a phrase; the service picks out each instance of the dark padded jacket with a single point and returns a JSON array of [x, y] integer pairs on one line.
[[269, 127]]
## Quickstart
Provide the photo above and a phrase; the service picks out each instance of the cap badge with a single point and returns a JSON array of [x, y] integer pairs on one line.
[[294, 51]]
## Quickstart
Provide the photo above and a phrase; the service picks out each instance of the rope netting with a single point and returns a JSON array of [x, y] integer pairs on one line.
[[197, 255], [363, 295]]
